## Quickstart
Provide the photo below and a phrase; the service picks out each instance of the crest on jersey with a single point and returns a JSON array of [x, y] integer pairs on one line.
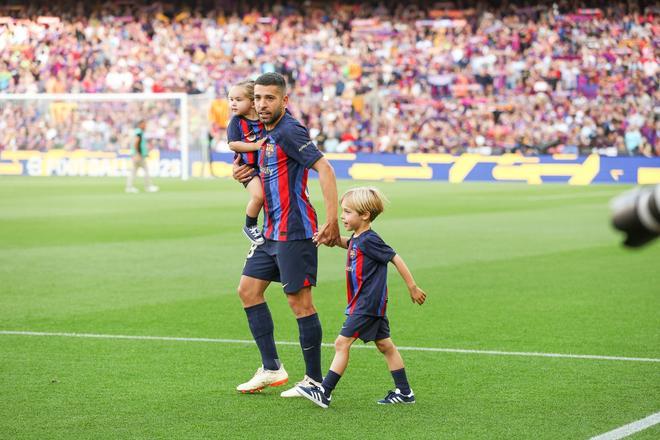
[[352, 254], [270, 149]]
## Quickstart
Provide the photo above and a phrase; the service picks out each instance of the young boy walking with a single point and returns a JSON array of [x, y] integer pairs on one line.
[[366, 283]]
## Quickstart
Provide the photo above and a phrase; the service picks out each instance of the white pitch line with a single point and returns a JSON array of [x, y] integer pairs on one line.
[[630, 428], [246, 341]]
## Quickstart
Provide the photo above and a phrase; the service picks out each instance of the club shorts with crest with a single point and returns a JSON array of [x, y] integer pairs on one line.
[[293, 263], [366, 328]]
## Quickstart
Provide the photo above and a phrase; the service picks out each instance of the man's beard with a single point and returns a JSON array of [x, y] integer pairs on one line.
[[274, 117]]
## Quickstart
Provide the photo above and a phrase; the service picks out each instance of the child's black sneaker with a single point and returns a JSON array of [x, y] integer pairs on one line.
[[315, 394], [397, 396], [253, 234]]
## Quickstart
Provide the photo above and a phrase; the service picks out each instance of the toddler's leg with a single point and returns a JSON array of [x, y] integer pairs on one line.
[[250, 229], [256, 199]]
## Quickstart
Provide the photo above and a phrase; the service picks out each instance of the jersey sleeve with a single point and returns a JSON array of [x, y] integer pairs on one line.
[[375, 248], [234, 132], [297, 144]]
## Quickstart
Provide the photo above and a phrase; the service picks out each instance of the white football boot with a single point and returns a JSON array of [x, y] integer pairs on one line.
[[264, 378]]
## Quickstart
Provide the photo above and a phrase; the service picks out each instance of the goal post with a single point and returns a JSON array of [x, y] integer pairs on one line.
[[102, 124]]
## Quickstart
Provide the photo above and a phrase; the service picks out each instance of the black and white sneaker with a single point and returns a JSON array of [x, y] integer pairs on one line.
[[397, 396], [253, 234], [315, 394]]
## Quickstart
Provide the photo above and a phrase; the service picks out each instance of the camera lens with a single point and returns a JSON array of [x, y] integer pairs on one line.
[[637, 214]]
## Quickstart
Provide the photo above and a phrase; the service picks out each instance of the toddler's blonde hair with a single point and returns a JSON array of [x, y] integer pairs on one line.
[[248, 85], [365, 200]]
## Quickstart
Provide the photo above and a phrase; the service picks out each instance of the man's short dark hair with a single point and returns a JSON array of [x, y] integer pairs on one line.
[[272, 79]]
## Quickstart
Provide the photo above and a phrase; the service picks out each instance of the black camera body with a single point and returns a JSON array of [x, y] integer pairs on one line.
[[637, 213]]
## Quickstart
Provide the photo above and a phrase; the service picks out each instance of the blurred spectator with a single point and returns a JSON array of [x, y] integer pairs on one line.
[[381, 77]]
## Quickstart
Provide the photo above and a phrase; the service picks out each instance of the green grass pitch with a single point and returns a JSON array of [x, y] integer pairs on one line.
[[507, 267]]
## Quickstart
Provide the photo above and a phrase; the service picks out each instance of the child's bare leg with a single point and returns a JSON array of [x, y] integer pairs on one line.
[[252, 211], [339, 364], [342, 350], [391, 353], [395, 364], [256, 199]]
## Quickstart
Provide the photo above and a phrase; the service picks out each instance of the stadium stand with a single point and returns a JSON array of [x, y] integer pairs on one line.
[[364, 77]]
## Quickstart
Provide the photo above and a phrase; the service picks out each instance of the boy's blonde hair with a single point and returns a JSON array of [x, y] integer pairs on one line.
[[248, 85], [365, 200]]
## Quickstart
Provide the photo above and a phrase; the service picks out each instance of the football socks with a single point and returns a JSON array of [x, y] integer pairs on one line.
[[401, 381], [250, 221], [330, 382], [311, 335], [261, 326]]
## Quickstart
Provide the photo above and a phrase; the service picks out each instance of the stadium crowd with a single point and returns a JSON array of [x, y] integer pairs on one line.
[[366, 77]]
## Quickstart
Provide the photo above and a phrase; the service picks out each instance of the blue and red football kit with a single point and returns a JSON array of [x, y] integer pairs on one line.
[[288, 254], [366, 287], [241, 129], [366, 274], [284, 162]]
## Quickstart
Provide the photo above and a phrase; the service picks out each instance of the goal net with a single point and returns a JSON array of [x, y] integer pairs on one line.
[[91, 134]]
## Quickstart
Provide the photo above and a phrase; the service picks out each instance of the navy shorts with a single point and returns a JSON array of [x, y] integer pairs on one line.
[[293, 263], [252, 163], [367, 328]]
